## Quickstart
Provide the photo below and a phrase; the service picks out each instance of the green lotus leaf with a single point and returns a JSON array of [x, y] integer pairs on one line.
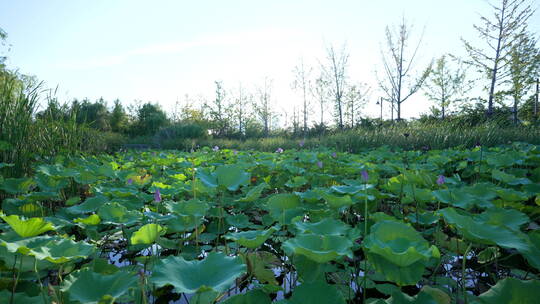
[[251, 239], [509, 178], [296, 182], [147, 234], [511, 195], [86, 177], [310, 196], [182, 223], [91, 204], [398, 251], [283, 207], [461, 199], [17, 185], [49, 183], [116, 213], [60, 251], [261, 265], [511, 291], [87, 286], [316, 292], [477, 229], [326, 226], [351, 189], [506, 217], [253, 193], [21, 297], [27, 227], [192, 207], [335, 201], [207, 178], [231, 177], [319, 248], [251, 297], [217, 272], [238, 220], [425, 296], [91, 220]]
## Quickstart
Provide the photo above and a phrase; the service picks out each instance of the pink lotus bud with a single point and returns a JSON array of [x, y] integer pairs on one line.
[[157, 196], [441, 180], [365, 175]]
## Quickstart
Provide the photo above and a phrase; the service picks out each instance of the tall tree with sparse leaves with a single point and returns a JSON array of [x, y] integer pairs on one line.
[[499, 32], [400, 79], [302, 83], [334, 72]]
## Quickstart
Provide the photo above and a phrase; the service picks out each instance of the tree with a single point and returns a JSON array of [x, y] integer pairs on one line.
[[335, 75], [218, 111], [524, 67], [95, 114], [320, 92], [355, 99], [509, 21], [118, 119], [150, 119], [302, 83], [399, 84], [263, 107], [241, 111], [445, 86]]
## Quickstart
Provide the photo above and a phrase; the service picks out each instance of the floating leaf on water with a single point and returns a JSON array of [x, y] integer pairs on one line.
[[27, 227]]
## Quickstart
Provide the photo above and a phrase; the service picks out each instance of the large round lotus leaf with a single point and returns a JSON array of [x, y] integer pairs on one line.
[[327, 226], [91, 204], [398, 251], [232, 177], [319, 248], [216, 272], [17, 185], [255, 296], [238, 220], [284, 207], [336, 201], [425, 296], [316, 292], [118, 214], [62, 251], [477, 229], [27, 227], [87, 286], [251, 239], [192, 207], [91, 220], [398, 243], [182, 223], [49, 183], [507, 217], [147, 234], [254, 193], [512, 291], [21, 297]]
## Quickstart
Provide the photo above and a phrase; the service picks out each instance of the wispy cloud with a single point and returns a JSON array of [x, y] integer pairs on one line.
[[252, 37]]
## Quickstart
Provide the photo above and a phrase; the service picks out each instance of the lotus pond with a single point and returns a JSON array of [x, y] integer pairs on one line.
[[295, 226]]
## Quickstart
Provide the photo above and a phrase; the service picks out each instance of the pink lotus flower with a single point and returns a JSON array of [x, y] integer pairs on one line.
[[157, 196], [301, 143], [279, 150], [216, 148], [320, 164], [130, 181], [334, 155]]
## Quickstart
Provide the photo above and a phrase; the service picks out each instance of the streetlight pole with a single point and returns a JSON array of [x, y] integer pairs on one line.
[[379, 102]]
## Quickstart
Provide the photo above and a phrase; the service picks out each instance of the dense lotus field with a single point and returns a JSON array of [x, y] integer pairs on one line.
[[298, 226]]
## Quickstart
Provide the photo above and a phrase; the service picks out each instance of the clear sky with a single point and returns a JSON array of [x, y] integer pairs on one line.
[[161, 50]]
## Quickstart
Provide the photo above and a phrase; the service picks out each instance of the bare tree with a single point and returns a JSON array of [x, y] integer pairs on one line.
[[445, 86], [399, 82], [302, 83], [509, 20], [335, 74], [219, 111], [263, 107]]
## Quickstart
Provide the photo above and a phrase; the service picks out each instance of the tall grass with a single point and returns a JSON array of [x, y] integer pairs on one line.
[[18, 102], [408, 137], [25, 136]]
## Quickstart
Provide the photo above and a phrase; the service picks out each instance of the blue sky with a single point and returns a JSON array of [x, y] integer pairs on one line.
[[161, 50]]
